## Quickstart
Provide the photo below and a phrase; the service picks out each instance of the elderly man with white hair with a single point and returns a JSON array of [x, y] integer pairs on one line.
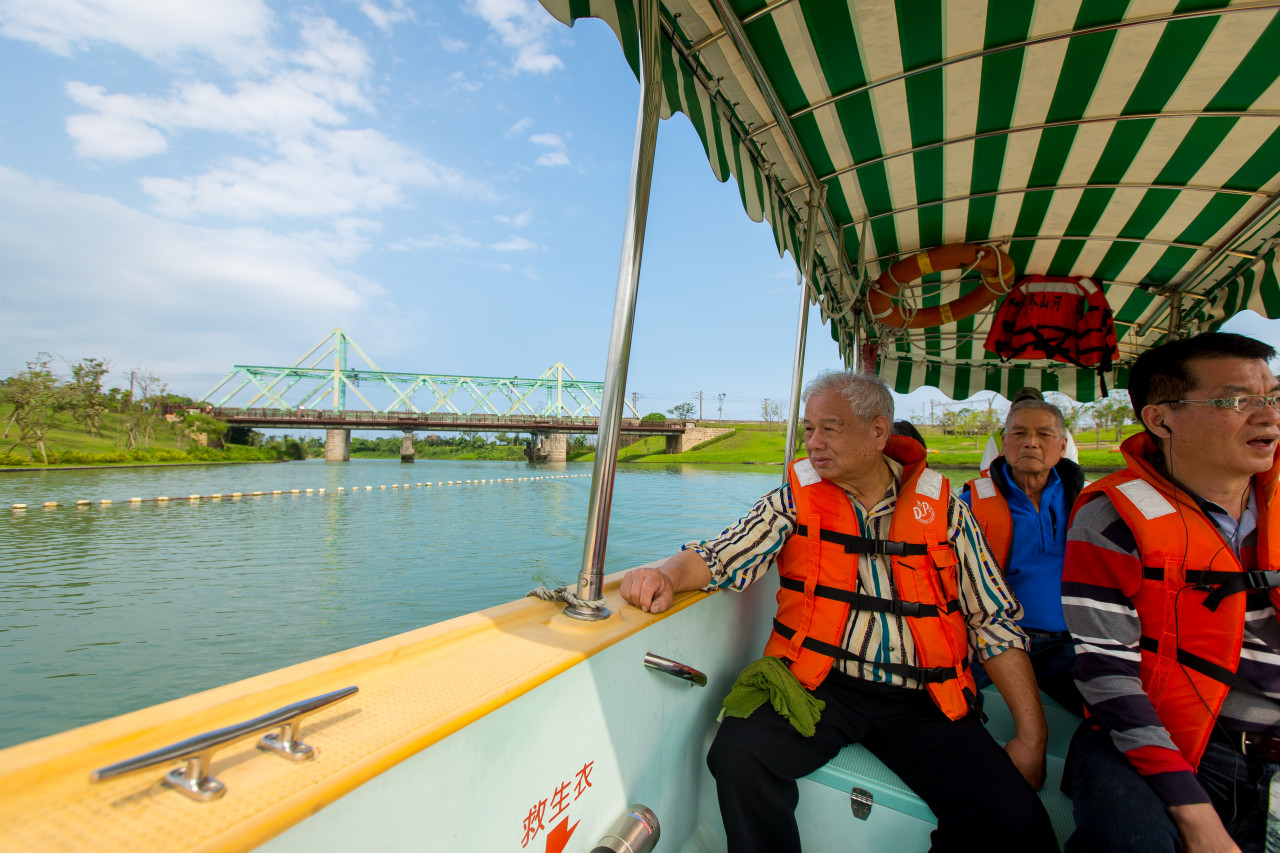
[[887, 588]]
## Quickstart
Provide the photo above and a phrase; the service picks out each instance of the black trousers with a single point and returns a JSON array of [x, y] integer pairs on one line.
[[966, 778]]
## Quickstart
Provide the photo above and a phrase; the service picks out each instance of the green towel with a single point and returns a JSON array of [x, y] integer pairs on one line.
[[769, 678]]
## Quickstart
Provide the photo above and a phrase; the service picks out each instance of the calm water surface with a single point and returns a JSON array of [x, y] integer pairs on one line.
[[107, 609]]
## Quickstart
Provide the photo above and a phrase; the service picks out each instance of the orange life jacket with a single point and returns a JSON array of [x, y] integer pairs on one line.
[[819, 581], [1065, 318], [991, 511], [1192, 620], [991, 508]]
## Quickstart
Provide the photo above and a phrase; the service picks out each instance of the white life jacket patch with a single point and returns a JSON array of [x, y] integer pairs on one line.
[[805, 473], [923, 512], [1145, 499], [984, 487], [929, 484]]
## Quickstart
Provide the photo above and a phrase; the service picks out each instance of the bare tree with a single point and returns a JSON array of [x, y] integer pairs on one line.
[[146, 410], [770, 411]]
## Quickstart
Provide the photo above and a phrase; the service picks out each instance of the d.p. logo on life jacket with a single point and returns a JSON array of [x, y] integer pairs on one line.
[[1064, 318]]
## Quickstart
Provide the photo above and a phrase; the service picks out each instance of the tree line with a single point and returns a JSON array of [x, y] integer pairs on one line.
[[42, 401]]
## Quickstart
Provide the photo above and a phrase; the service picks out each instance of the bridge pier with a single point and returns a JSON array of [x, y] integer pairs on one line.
[[546, 446], [406, 447], [337, 445]]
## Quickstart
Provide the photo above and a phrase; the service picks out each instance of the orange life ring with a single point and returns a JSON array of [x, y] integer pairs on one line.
[[997, 279]]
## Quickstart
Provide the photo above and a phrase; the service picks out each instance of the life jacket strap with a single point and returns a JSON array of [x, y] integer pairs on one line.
[[922, 674], [872, 603], [866, 545], [1218, 673], [1219, 585]]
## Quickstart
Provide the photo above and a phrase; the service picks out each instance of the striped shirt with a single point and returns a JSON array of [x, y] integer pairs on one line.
[[1106, 628], [743, 553]]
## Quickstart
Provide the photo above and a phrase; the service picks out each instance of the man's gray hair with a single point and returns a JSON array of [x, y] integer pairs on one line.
[[1029, 405], [868, 396]]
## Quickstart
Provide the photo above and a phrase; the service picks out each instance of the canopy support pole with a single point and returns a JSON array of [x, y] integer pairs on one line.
[[591, 576], [804, 275]]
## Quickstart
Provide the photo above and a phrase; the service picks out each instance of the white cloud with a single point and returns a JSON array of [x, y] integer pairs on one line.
[[553, 158], [313, 88], [520, 127], [524, 27], [520, 220], [386, 19], [86, 275], [453, 241], [312, 162], [557, 156], [548, 139], [231, 32], [515, 244], [104, 136], [453, 45], [459, 79], [335, 174]]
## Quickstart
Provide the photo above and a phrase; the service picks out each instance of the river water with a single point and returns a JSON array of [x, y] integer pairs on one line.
[[109, 608]]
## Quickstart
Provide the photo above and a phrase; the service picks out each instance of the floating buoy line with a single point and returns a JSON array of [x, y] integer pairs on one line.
[[340, 490]]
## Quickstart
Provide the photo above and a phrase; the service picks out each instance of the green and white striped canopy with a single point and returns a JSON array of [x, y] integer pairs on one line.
[[1135, 143]]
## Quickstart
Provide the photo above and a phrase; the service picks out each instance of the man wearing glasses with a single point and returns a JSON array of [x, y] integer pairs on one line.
[[1170, 592]]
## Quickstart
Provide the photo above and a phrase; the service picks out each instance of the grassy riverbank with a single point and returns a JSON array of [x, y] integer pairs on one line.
[[757, 444], [749, 444], [68, 445]]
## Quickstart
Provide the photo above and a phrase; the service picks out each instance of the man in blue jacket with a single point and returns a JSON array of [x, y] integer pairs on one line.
[[1023, 504]]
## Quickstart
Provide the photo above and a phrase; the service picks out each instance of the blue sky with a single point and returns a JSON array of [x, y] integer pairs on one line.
[[187, 185]]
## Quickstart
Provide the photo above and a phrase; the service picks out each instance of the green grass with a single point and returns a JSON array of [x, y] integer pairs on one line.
[[753, 444], [68, 444], [749, 444]]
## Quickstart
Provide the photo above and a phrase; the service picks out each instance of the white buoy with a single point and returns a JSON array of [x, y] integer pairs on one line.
[[161, 499], [135, 500], [105, 501], [82, 503], [19, 506]]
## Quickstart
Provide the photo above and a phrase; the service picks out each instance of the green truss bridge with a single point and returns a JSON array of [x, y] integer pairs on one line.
[[316, 390]]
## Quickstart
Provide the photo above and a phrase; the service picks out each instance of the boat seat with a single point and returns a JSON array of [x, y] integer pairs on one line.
[[856, 767]]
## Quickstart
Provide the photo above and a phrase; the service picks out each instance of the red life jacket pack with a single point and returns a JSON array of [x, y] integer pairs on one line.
[[1065, 318]]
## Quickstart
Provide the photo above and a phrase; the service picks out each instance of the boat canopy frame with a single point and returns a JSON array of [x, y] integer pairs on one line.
[[1086, 139]]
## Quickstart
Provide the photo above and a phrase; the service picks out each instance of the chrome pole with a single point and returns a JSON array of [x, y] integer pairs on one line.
[[804, 275], [591, 576]]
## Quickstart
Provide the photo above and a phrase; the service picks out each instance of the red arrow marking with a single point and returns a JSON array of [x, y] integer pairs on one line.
[[559, 837]]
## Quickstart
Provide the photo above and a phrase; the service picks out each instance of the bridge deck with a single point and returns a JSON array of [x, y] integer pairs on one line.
[[417, 421]]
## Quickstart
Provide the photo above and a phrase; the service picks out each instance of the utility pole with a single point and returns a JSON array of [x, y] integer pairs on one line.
[[699, 405], [635, 402]]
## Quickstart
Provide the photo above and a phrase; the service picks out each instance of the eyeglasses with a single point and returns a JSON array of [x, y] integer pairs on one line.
[[1248, 403]]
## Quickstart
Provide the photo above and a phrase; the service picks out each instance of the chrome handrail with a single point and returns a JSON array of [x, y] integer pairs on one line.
[[194, 780]]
